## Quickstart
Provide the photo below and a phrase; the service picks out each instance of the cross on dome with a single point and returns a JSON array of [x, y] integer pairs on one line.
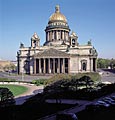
[[57, 9]]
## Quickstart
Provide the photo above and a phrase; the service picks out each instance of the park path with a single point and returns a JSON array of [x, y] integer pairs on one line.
[[32, 90]]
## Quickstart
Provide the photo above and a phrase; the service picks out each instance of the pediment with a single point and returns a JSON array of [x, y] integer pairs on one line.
[[51, 53]]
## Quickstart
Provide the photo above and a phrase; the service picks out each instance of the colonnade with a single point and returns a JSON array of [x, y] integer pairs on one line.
[[51, 65], [57, 35]]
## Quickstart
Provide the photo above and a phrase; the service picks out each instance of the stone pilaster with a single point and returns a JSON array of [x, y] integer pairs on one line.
[[53, 35], [68, 65], [47, 36], [58, 65], [34, 66], [63, 65], [49, 70], [90, 63], [39, 65], [53, 65], [62, 35], [56, 35], [44, 65]]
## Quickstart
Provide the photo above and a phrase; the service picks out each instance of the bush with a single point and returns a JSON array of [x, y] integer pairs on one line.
[[58, 78], [39, 82], [94, 76]]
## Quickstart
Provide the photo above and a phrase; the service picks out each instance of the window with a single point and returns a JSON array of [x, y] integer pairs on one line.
[[84, 65], [73, 41]]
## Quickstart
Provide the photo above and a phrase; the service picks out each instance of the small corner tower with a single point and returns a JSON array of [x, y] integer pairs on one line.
[[35, 41], [73, 39]]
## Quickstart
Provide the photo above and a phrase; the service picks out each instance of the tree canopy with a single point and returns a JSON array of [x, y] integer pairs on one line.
[[65, 85], [105, 63], [6, 97]]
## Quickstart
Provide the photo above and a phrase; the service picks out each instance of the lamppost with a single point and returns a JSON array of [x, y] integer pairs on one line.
[[22, 74]]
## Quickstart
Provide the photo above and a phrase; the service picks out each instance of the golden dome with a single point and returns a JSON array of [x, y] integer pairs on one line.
[[57, 15]]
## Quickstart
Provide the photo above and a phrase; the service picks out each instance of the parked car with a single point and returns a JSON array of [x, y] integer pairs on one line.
[[108, 98], [66, 116], [99, 105], [102, 103], [108, 101], [113, 97]]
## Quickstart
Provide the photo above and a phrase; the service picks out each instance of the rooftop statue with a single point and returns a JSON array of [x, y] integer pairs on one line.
[[35, 36], [21, 45], [73, 34], [89, 42]]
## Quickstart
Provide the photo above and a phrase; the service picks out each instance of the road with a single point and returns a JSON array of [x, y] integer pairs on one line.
[[107, 76], [22, 77]]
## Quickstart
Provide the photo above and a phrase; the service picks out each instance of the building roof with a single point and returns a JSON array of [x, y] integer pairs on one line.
[[52, 53]]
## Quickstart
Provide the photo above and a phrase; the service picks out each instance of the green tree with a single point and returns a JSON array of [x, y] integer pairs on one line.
[[9, 67], [86, 80], [112, 63], [12, 67], [75, 83], [6, 97], [6, 68], [103, 63]]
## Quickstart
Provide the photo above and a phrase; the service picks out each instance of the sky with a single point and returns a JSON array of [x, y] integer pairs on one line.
[[89, 19]]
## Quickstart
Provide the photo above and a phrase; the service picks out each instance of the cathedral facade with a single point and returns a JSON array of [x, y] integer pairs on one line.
[[60, 53]]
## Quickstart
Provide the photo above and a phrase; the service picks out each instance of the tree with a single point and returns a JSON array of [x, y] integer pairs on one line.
[[6, 68], [103, 63], [112, 63], [6, 97], [75, 83], [1, 68], [12, 66], [9, 67], [86, 80]]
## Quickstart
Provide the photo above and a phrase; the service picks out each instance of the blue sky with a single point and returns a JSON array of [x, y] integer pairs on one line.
[[90, 19]]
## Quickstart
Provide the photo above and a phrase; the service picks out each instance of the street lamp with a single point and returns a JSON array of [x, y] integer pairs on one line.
[[22, 75]]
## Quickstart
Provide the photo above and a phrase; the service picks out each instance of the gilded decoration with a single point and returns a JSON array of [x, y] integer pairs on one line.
[[57, 15]]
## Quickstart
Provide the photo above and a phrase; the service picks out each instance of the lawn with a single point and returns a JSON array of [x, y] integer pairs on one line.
[[16, 89]]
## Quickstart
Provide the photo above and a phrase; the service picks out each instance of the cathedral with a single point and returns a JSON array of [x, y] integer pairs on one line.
[[60, 53]]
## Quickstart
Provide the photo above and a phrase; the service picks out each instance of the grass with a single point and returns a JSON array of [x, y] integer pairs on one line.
[[7, 80], [15, 89]]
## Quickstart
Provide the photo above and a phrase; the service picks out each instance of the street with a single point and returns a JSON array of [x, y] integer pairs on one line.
[[22, 77]]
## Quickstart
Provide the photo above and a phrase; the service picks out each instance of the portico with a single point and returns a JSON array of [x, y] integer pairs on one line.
[[49, 62], [51, 65]]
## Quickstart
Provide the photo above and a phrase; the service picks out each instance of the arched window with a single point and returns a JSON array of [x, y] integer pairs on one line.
[[73, 42]]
